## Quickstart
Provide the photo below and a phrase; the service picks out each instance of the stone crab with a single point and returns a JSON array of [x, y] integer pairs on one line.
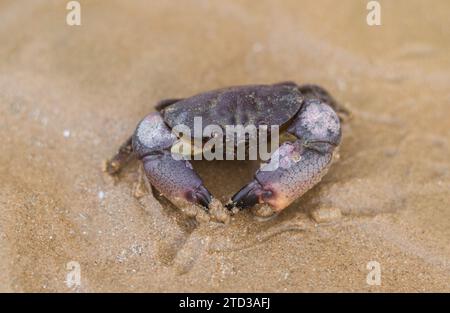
[[306, 113]]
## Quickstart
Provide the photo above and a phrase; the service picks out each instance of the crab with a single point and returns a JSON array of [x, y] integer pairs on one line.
[[307, 113]]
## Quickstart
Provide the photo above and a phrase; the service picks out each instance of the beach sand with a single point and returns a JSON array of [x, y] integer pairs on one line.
[[70, 95]]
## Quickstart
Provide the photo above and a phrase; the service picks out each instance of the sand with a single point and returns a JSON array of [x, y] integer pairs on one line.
[[69, 96]]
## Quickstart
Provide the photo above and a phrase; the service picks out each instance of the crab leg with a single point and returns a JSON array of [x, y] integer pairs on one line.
[[173, 178], [300, 165], [122, 157]]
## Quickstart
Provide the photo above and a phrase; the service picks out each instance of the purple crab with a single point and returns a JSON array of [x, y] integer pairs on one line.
[[307, 113]]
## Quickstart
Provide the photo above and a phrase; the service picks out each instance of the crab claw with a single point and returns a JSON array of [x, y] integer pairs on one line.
[[299, 170], [249, 195], [176, 180], [173, 177], [295, 167], [200, 195]]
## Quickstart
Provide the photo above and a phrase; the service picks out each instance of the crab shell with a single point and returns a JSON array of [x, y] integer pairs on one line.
[[242, 105]]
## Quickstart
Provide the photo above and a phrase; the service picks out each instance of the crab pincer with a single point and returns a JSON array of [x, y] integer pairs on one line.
[[172, 177], [297, 166]]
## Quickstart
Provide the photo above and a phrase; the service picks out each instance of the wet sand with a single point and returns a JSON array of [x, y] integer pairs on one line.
[[69, 96]]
